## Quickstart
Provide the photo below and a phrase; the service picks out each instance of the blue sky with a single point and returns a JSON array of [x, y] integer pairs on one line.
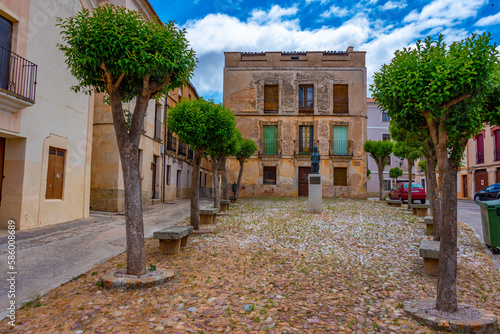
[[378, 27]]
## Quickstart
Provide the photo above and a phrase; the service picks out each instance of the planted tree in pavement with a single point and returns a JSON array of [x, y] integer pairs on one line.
[[379, 150], [115, 51]]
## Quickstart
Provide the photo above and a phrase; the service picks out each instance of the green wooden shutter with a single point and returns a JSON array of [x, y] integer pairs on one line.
[[270, 139], [340, 145]]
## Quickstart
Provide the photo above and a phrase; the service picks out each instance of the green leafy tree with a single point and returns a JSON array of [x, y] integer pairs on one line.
[[114, 51], [450, 90], [379, 150], [410, 151], [247, 148], [368, 172], [395, 172], [203, 125], [423, 165]]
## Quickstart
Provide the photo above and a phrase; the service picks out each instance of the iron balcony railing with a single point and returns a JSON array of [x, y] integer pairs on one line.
[[480, 158], [17, 75], [304, 149], [270, 147], [496, 155], [182, 149], [190, 154], [171, 143], [341, 148]]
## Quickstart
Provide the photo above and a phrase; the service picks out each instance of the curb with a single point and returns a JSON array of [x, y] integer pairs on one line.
[[485, 248]]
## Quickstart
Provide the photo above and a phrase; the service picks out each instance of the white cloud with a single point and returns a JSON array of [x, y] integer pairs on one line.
[[394, 5], [275, 14], [446, 10], [322, 2], [488, 20], [335, 11]]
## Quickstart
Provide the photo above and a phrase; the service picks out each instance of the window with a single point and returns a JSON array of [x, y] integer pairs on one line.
[[158, 121], [206, 177], [340, 143], [387, 185], [386, 136], [182, 149], [140, 162], [340, 176], [496, 155], [171, 142], [306, 134], [201, 178], [385, 117], [168, 175], [270, 139], [5, 39], [388, 161], [270, 175], [271, 98], [340, 99], [480, 149], [306, 98], [55, 173]]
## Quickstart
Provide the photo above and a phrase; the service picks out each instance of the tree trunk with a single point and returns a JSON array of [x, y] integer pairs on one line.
[[433, 192], [380, 168], [446, 289], [410, 182], [215, 168], [240, 174], [225, 185], [128, 147], [195, 189]]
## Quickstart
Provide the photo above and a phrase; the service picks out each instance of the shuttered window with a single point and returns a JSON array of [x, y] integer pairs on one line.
[[340, 99], [271, 98], [270, 139], [269, 175], [340, 176], [340, 143], [496, 155], [306, 98], [306, 134], [55, 174]]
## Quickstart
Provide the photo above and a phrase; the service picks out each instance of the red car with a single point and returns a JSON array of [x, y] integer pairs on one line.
[[400, 191]]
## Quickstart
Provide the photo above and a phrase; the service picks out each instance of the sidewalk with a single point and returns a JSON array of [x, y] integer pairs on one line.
[[49, 256]]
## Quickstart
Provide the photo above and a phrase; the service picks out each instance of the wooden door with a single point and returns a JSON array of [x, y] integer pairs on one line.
[[178, 184], [481, 179], [304, 181], [2, 159], [465, 190]]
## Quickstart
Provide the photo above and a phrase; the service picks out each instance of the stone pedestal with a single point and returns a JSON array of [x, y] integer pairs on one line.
[[315, 193]]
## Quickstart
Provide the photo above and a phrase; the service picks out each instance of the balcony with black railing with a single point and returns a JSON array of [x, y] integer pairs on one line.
[[171, 143], [480, 158], [17, 81], [496, 155], [182, 149], [301, 148], [190, 154], [270, 147]]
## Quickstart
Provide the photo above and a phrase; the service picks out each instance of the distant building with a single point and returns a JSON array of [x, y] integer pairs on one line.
[[378, 129], [483, 159], [290, 102]]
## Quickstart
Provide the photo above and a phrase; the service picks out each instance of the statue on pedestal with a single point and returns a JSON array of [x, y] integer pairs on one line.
[[315, 160]]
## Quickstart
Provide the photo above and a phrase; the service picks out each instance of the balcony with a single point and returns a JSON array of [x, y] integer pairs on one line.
[[496, 155], [480, 158], [341, 148], [171, 143], [270, 148], [299, 150], [190, 154], [182, 149], [17, 82]]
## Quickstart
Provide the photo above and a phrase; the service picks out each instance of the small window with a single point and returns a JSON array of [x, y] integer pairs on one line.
[[206, 177], [201, 179], [306, 98], [168, 175], [340, 176], [271, 98], [55, 173], [385, 117], [386, 136], [341, 99], [387, 185], [388, 161], [270, 175]]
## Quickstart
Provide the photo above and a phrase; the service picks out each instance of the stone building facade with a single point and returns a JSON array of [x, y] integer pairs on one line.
[[290, 102]]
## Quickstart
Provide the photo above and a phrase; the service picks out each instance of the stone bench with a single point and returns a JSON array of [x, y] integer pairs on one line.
[[173, 238], [420, 209], [393, 202], [207, 216], [224, 205], [429, 250], [429, 222]]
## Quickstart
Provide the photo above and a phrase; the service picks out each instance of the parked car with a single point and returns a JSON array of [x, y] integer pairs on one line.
[[400, 191], [488, 194]]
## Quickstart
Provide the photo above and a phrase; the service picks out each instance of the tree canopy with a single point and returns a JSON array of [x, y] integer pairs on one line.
[[395, 172], [379, 150]]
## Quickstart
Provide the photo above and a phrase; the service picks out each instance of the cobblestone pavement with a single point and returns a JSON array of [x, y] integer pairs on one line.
[[49, 256]]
